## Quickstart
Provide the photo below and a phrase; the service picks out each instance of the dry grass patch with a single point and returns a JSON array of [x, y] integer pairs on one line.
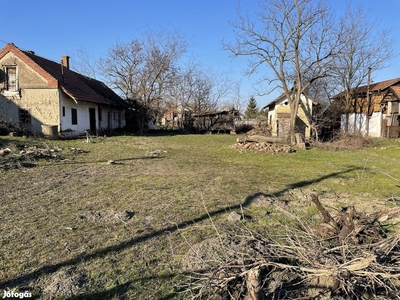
[[346, 142], [119, 231]]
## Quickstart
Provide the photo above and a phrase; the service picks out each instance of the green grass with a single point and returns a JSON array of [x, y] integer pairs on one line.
[[59, 215]]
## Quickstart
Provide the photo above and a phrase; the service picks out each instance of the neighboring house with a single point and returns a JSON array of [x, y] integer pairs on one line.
[[38, 93], [383, 109], [176, 118], [218, 121], [278, 114]]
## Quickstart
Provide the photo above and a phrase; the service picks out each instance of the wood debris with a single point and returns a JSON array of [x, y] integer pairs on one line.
[[28, 156], [350, 255], [262, 144], [155, 153]]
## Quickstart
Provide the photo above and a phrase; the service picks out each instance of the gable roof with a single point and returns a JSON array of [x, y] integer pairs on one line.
[[273, 102], [396, 90], [373, 87], [382, 85], [75, 85], [283, 96]]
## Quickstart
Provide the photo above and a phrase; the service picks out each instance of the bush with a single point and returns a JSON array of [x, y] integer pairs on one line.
[[345, 141], [6, 127]]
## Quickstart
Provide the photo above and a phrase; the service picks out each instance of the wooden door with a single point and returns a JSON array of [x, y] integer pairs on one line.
[[92, 120]]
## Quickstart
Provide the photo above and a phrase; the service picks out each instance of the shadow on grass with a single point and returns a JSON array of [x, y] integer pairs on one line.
[[26, 278], [119, 290], [115, 161], [116, 291]]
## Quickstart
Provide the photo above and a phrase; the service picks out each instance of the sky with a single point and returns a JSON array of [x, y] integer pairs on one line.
[[53, 28]]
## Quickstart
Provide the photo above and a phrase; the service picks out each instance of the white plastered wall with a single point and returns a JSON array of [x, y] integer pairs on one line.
[[82, 114], [357, 124]]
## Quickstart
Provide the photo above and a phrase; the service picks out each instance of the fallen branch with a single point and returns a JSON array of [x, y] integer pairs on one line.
[[356, 260]]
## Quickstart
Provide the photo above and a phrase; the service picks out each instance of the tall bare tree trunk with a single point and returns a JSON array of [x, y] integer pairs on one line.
[[294, 109], [368, 104]]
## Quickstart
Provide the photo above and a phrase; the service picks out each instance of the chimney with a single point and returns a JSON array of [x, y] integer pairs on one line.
[[65, 61]]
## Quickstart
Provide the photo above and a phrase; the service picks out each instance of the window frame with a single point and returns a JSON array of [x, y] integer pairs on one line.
[[25, 117], [15, 86]]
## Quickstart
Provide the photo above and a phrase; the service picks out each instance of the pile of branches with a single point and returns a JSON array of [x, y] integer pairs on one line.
[[345, 142], [13, 159], [262, 128], [262, 144], [347, 256]]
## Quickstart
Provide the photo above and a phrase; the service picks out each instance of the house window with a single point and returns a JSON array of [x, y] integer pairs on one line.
[[74, 116], [11, 82], [24, 117], [63, 111]]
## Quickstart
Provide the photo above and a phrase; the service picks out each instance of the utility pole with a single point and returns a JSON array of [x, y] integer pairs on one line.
[[368, 103]]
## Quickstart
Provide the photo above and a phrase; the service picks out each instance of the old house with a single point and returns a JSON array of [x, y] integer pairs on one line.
[[176, 118], [218, 121], [39, 94], [382, 106], [278, 114]]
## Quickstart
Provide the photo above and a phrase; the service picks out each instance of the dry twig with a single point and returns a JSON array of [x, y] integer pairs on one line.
[[357, 260]]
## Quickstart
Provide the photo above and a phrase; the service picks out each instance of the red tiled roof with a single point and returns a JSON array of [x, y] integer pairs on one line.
[[75, 85]]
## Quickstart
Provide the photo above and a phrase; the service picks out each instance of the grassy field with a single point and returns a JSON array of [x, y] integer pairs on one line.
[[81, 228]]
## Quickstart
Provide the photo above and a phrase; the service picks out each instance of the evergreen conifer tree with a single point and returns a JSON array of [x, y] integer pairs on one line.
[[251, 111]]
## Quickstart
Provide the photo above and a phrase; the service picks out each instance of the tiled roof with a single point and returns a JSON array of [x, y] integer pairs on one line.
[[396, 90], [374, 87], [384, 84], [77, 86]]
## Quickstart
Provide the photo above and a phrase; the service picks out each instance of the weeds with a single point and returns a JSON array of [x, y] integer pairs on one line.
[[299, 260], [64, 216]]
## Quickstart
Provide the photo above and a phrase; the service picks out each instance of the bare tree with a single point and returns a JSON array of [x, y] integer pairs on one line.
[[85, 63], [363, 48], [294, 39], [325, 118], [163, 51], [144, 71], [236, 100], [219, 83], [200, 89], [122, 65]]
